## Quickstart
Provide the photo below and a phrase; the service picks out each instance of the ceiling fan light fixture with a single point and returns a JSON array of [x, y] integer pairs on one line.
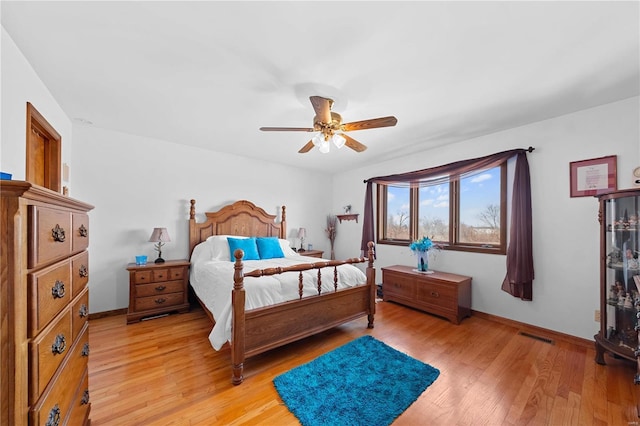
[[338, 140], [318, 139], [324, 146]]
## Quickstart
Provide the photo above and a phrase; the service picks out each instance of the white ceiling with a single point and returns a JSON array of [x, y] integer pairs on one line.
[[210, 73]]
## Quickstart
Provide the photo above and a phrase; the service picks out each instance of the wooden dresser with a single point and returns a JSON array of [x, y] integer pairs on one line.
[[441, 293], [157, 288], [44, 307]]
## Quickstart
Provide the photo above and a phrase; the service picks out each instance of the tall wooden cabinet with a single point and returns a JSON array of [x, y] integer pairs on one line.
[[44, 306]]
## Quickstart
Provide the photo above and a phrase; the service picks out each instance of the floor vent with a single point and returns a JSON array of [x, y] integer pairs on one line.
[[533, 336]]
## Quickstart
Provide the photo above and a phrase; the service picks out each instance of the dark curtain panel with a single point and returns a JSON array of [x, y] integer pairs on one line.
[[519, 252], [519, 279]]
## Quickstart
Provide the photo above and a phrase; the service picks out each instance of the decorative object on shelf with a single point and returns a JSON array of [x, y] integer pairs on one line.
[[159, 236], [421, 249], [347, 209], [352, 216], [332, 229], [593, 177], [302, 234]]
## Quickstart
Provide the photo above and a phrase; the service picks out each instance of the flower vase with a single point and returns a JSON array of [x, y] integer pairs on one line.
[[423, 261]]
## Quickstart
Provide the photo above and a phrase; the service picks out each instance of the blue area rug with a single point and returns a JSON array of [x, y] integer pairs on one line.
[[364, 382]]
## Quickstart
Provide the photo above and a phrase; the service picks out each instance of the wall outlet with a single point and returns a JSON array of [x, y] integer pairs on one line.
[[596, 316]]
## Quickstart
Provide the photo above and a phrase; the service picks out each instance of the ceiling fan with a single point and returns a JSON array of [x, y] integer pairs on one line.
[[327, 123]]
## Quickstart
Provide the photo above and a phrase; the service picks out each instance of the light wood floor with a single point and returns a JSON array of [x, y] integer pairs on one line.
[[164, 372]]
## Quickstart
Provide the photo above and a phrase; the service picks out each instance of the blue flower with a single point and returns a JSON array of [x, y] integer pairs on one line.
[[424, 244]]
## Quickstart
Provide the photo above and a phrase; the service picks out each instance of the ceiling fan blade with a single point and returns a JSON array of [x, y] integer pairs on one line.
[[353, 144], [322, 107], [287, 129], [370, 124], [306, 148]]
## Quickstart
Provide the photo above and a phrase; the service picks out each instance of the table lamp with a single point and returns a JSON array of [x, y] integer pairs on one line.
[[302, 233], [159, 236]]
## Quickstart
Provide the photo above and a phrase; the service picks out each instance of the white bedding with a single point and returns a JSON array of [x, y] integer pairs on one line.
[[212, 280]]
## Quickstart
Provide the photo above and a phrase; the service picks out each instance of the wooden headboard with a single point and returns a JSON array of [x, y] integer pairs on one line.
[[240, 218]]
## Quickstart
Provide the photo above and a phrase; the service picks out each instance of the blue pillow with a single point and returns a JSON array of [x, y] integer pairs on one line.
[[269, 247], [248, 245]]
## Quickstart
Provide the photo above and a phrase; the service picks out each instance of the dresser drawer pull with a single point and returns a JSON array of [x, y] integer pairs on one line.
[[54, 416], [57, 291], [59, 345], [85, 397], [83, 231], [85, 350], [58, 234], [435, 294], [161, 287], [82, 312], [83, 271], [160, 300]]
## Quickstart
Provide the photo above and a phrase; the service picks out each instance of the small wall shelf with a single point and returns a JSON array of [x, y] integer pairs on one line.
[[342, 217]]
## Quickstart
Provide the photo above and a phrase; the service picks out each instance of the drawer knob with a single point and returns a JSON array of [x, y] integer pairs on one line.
[[83, 231], [160, 300], [85, 397], [57, 291], [54, 416], [82, 312], [435, 294], [59, 345], [83, 271], [161, 287], [58, 234], [85, 350]]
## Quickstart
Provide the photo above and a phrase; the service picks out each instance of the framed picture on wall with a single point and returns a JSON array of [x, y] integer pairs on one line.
[[593, 177]]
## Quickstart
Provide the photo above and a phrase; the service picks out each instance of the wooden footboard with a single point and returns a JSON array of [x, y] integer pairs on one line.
[[262, 329]]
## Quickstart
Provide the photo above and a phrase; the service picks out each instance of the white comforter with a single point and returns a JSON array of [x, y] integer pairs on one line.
[[212, 281]]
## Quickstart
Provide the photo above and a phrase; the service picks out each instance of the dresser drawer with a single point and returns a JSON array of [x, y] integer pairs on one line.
[[79, 272], [49, 235], [143, 290], [398, 286], [80, 223], [80, 313], [159, 302], [56, 400], [176, 273], [81, 403], [49, 292], [160, 275], [440, 296], [142, 277], [47, 352]]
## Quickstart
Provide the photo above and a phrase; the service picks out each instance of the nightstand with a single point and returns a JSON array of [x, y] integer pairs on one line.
[[157, 288], [311, 253]]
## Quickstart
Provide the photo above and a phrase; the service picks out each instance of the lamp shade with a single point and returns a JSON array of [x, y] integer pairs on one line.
[[338, 140], [302, 233], [159, 235]]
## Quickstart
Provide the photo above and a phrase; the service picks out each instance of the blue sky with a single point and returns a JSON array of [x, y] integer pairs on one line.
[[476, 193]]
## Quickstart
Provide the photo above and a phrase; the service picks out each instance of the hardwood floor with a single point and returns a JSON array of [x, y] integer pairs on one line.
[[164, 372]]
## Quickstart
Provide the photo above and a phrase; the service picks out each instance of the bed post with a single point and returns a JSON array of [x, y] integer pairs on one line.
[[371, 282], [283, 223], [237, 320]]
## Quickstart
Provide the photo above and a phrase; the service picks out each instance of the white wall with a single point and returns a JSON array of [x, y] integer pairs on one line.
[[20, 84], [566, 241], [138, 183]]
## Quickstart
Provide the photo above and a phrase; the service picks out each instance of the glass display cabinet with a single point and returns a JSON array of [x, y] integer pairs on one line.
[[619, 275]]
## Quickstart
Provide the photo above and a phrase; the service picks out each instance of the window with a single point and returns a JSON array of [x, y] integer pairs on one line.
[[467, 214]]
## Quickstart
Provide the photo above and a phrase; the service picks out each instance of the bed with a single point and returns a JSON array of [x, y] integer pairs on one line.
[[238, 288]]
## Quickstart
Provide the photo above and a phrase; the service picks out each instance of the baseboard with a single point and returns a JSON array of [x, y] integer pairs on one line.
[[104, 314], [537, 331]]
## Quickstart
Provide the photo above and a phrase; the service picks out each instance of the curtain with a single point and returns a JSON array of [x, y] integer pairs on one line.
[[519, 277]]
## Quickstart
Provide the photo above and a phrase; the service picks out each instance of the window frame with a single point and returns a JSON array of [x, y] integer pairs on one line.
[[454, 218]]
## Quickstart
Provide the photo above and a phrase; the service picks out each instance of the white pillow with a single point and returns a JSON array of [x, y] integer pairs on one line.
[[220, 246], [286, 248], [201, 253]]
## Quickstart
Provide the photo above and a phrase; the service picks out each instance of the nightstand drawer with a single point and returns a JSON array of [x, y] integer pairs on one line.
[[159, 302], [142, 277], [160, 275], [154, 289]]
